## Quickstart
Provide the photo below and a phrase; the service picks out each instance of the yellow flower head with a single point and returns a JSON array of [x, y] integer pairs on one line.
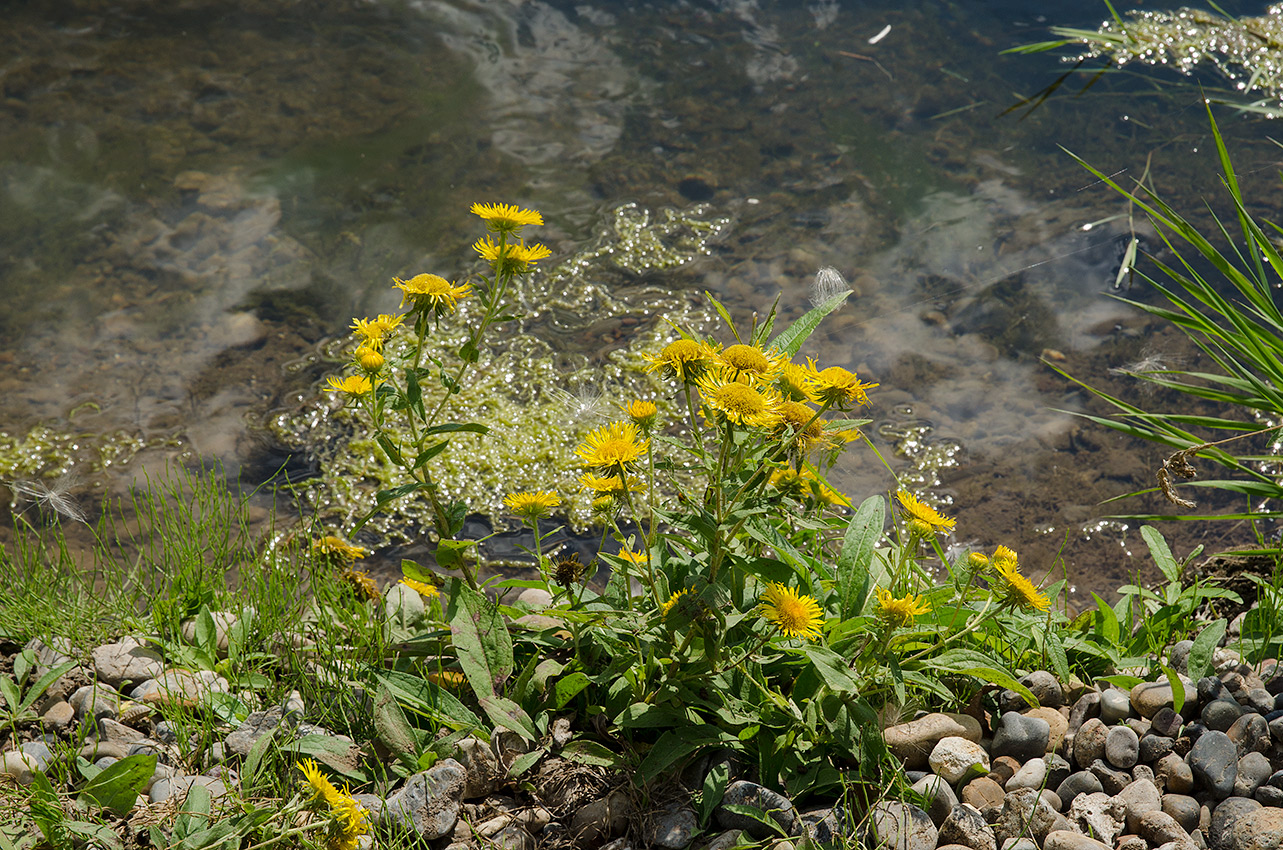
[[806, 484], [642, 412], [360, 581], [351, 820], [516, 257], [741, 403], [977, 560], [639, 558], [794, 614], [798, 423], [751, 361], [421, 587], [506, 218], [369, 359], [611, 447], [899, 612], [665, 607], [683, 360], [1017, 589], [376, 331], [353, 385], [604, 505], [568, 570], [337, 548], [431, 293], [922, 517], [608, 484], [837, 386], [532, 504], [794, 383]]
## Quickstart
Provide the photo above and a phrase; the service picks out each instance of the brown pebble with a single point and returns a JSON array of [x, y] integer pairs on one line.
[[983, 793], [1003, 768]]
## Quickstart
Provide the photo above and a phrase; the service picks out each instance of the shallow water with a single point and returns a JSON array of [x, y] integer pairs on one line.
[[195, 199]]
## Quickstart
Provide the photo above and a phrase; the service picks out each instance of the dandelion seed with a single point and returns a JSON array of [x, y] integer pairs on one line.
[[586, 405], [828, 283], [53, 497]]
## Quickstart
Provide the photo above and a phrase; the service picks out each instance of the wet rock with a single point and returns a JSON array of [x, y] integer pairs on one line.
[[965, 826], [912, 742], [939, 795], [1166, 723], [1221, 714], [744, 793], [1258, 830], [1089, 742], [1250, 733], [1098, 815], [1214, 761], [429, 802], [956, 758], [127, 660], [1122, 747], [899, 826], [1064, 839], [1020, 737]]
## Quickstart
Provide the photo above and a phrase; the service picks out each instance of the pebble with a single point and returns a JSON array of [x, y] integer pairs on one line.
[[1221, 714], [429, 802], [912, 742], [983, 793], [1253, 770], [967, 827], [1261, 829], [1064, 839], [1115, 706], [1087, 707], [96, 701], [824, 826], [1158, 827], [1214, 761], [1183, 809], [1020, 737], [127, 660], [1089, 742], [1148, 697], [1138, 799], [1098, 815], [744, 793], [1166, 723], [1082, 782], [1154, 747], [1033, 774], [1175, 774], [19, 765], [899, 826], [483, 772], [1024, 812], [1251, 732], [939, 795], [956, 758], [1122, 747], [1056, 723], [672, 829]]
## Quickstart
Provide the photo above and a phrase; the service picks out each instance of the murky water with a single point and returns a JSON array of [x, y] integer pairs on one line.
[[196, 197]]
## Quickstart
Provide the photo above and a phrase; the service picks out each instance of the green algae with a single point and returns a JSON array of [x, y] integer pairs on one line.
[[537, 407]]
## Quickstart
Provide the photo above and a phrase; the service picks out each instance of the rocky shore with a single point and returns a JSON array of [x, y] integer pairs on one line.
[[1090, 768]]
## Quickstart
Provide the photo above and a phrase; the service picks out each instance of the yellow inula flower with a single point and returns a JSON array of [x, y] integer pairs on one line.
[[1017, 589], [517, 256], [683, 360], [743, 404], [376, 331], [897, 612], [369, 358], [794, 614], [665, 607], [506, 218], [837, 386], [338, 548], [751, 361], [351, 820], [632, 557], [607, 483], [353, 385], [977, 560], [361, 582], [799, 423], [642, 412], [421, 587], [794, 383], [612, 446], [431, 292], [922, 516], [532, 504]]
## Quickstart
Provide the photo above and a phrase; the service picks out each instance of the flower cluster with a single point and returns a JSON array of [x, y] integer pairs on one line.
[[350, 820]]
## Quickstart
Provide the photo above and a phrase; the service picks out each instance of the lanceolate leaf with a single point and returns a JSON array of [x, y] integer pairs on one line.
[[862, 535], [1161, 553], [792, 337], [1200, 654], [481, 640]]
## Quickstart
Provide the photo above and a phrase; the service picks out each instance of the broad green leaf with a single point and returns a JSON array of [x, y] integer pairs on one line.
[[22, 664], [679, 743], [524, 762], [481, 639], [792, 337], [116, 787], [757, 815], [1056, 654], [249, 772], [854, 560], [392, 727], [1161, 554], [1108, 621], [454, 427], [390, 449], [507, 714], [334, 753], [206, 632], [715, 782], [832, 668], [646, 715], [9, 690], [1200, 654], [1123, 681], [567, 687], [1178, 689], [1002, 679], [430, 699], [429, 453], [450, 555], [592, 753]]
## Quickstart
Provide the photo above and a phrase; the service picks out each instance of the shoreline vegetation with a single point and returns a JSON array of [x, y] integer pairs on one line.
[[770, 662]]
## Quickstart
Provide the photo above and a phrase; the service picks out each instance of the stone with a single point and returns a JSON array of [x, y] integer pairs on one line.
[[179, 688], [515, 837], [1214, 761], [127, 660], [1064, 839], [1056, 723], [256, 725], [1002, 769], [1044, 686], [956, 758], [939, 795], [1227, 814], [1183, 809], [965, 826], [1259, 700], [1210, 688], [1253, 770], [1115, 706], [725, 840], [58, 714], [1250, 733], [1089, 742], [744, 793], [1082, 782], [1178, 656], [40, 752], [1268, 795], [1258, 830], [1098, 815], [1138, 798], [1021, 843], [1052, 799], [1221, 714], [983, 793], [429, 802], [1058, 769], [1111, 780], [1086, 707], [824, 826], [1173, 774], [1020, 737], [1131, 842], [1165, 722], [96, 701], [1122, 747], [1024, 812], [19, 765], [893, 825], [178, 786], [912, 742], [1033, 774], [673, 828], [1158, 827], [1153, 747], [481, 766], [1148, 697]]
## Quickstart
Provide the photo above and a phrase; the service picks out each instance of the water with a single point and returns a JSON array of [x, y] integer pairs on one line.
[[196, 198]]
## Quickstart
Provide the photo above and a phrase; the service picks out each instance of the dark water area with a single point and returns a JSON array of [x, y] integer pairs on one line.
[[196, 198]]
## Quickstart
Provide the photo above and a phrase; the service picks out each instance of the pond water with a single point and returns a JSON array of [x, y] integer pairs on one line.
[[196, 198]]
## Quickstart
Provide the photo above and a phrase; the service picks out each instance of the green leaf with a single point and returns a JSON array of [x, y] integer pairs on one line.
[[832, 668], [715, 782], [390, 449], [1002, 679], [1108, 621], [526, 761], [116, 787], [428, 454], [392, 727], [757, 815], [592, 753], [430, 699], [336, 754], [453, 427], [641, 715], [1161, 554], [1056, 654], [450, 554], [249, 772], [1178, 688], [1200, 654], [721, 311], [507, 714], [481, 639], [792, 337], [9, 690], [854, 560], [567, 687], [1122, 681], [414, 393], [678, 743]]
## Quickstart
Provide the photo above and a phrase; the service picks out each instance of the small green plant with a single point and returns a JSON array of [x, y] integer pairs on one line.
[[17, 702]]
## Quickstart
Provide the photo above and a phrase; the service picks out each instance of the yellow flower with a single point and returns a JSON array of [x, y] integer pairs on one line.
[[353, 385], [376, 331], [431, 292], [1017, 589], [977, 560], [604, 505], [607, 483], [683, 360], [639, 558], [369, 359], [794, 614], [794, 384], [506, 218], [447, 678], [612, 446], [517, 256], [899, 612], [923, 517], [532, 504], [360, 582], [837, 386], [753, 362], [642, 412], [338, 548], [351, 820], [807, 484], [799, 423], [754, 407], [665, 607], [421, 587]]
